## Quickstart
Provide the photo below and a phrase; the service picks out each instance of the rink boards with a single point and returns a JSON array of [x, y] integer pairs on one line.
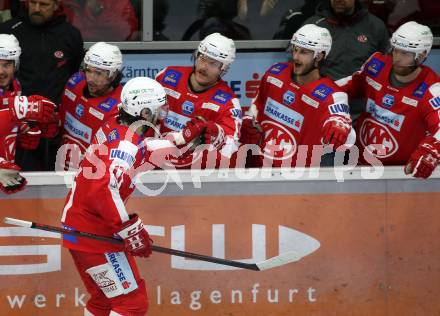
[[370, 246]]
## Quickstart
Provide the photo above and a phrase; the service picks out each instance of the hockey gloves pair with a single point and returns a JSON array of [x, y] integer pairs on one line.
[[137, 242], [10, 180], [424, 159]]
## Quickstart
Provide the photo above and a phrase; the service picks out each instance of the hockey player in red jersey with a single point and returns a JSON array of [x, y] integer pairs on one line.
[[296, 111], [202, 102], [89, 99], [96, 201], [401, 123], [19, 116]]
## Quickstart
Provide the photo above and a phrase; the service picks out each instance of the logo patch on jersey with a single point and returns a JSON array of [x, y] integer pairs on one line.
[[377, 139], [172, 93], [322, 91], [409, 101], [221, 97], [113, 135], [308, 100], [278, 143], [75, 79], [175, 121], [77, 129], [187, 107], [211, 106], [276, 69], [374, 67], [388, 100], [387, 117], [79, 110], [172, 77], [435, 102], [276, 82], [288, 97], [419, 92], [108, 104], [237, 113], [362, 38], [96, 113], [70, 94], [339, 108], [116, 153], [123, 271], [283, 114]]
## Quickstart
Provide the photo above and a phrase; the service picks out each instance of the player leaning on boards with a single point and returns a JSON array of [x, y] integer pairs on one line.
[[95, 203], [90, 97], [203, 109], [23, 120], [296, 110], [401, 123]]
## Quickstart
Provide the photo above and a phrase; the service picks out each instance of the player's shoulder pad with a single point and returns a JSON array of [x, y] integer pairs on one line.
[[374, 65], [75, 79], [277, 68], [108, 104], [171, 76], [323, 90], [221, 96]]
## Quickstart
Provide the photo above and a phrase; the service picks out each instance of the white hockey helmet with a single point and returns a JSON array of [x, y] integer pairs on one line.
[[10, 49], [220, 48], [413, 37], [104, 56], [313, 37], [142, 93]]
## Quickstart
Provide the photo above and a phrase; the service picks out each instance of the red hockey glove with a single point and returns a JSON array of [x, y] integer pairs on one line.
[[10, 180], [335, 131], [50, 130], [214, 135], [192, 130], [136, 239], [250, 132], [29, 137], [424, 159], [33, 108]]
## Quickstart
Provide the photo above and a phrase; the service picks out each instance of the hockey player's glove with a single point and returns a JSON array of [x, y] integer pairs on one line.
[[214, 135], [335, 131], [50, 130], [33, 108], [250, 132], [424, 159], [137, 242], [10, 180], [192, 130], [28, 137]]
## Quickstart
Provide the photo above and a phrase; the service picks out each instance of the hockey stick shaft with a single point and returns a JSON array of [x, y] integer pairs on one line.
[[238, 264]]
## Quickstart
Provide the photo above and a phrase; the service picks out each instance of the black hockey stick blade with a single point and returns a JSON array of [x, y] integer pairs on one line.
[[270, 263]]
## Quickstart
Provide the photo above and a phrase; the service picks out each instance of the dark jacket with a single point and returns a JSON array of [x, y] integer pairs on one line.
[[51, 53], [355, 38]]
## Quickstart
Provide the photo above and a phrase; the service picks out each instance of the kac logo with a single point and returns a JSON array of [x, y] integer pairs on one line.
[[388, 100], [79, 110], [188, 107], [288, 97]]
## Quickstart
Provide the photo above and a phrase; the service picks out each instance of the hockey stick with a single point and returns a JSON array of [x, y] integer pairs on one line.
[[270, 263]]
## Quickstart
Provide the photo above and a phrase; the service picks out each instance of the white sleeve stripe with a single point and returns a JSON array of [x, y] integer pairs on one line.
[[69, 203], [116, 197]]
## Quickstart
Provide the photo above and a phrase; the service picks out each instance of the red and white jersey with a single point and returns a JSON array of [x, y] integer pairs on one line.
[[396, 118], [218, 104], [8, 128], [80, 116], [105, 180], [292, 115]]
